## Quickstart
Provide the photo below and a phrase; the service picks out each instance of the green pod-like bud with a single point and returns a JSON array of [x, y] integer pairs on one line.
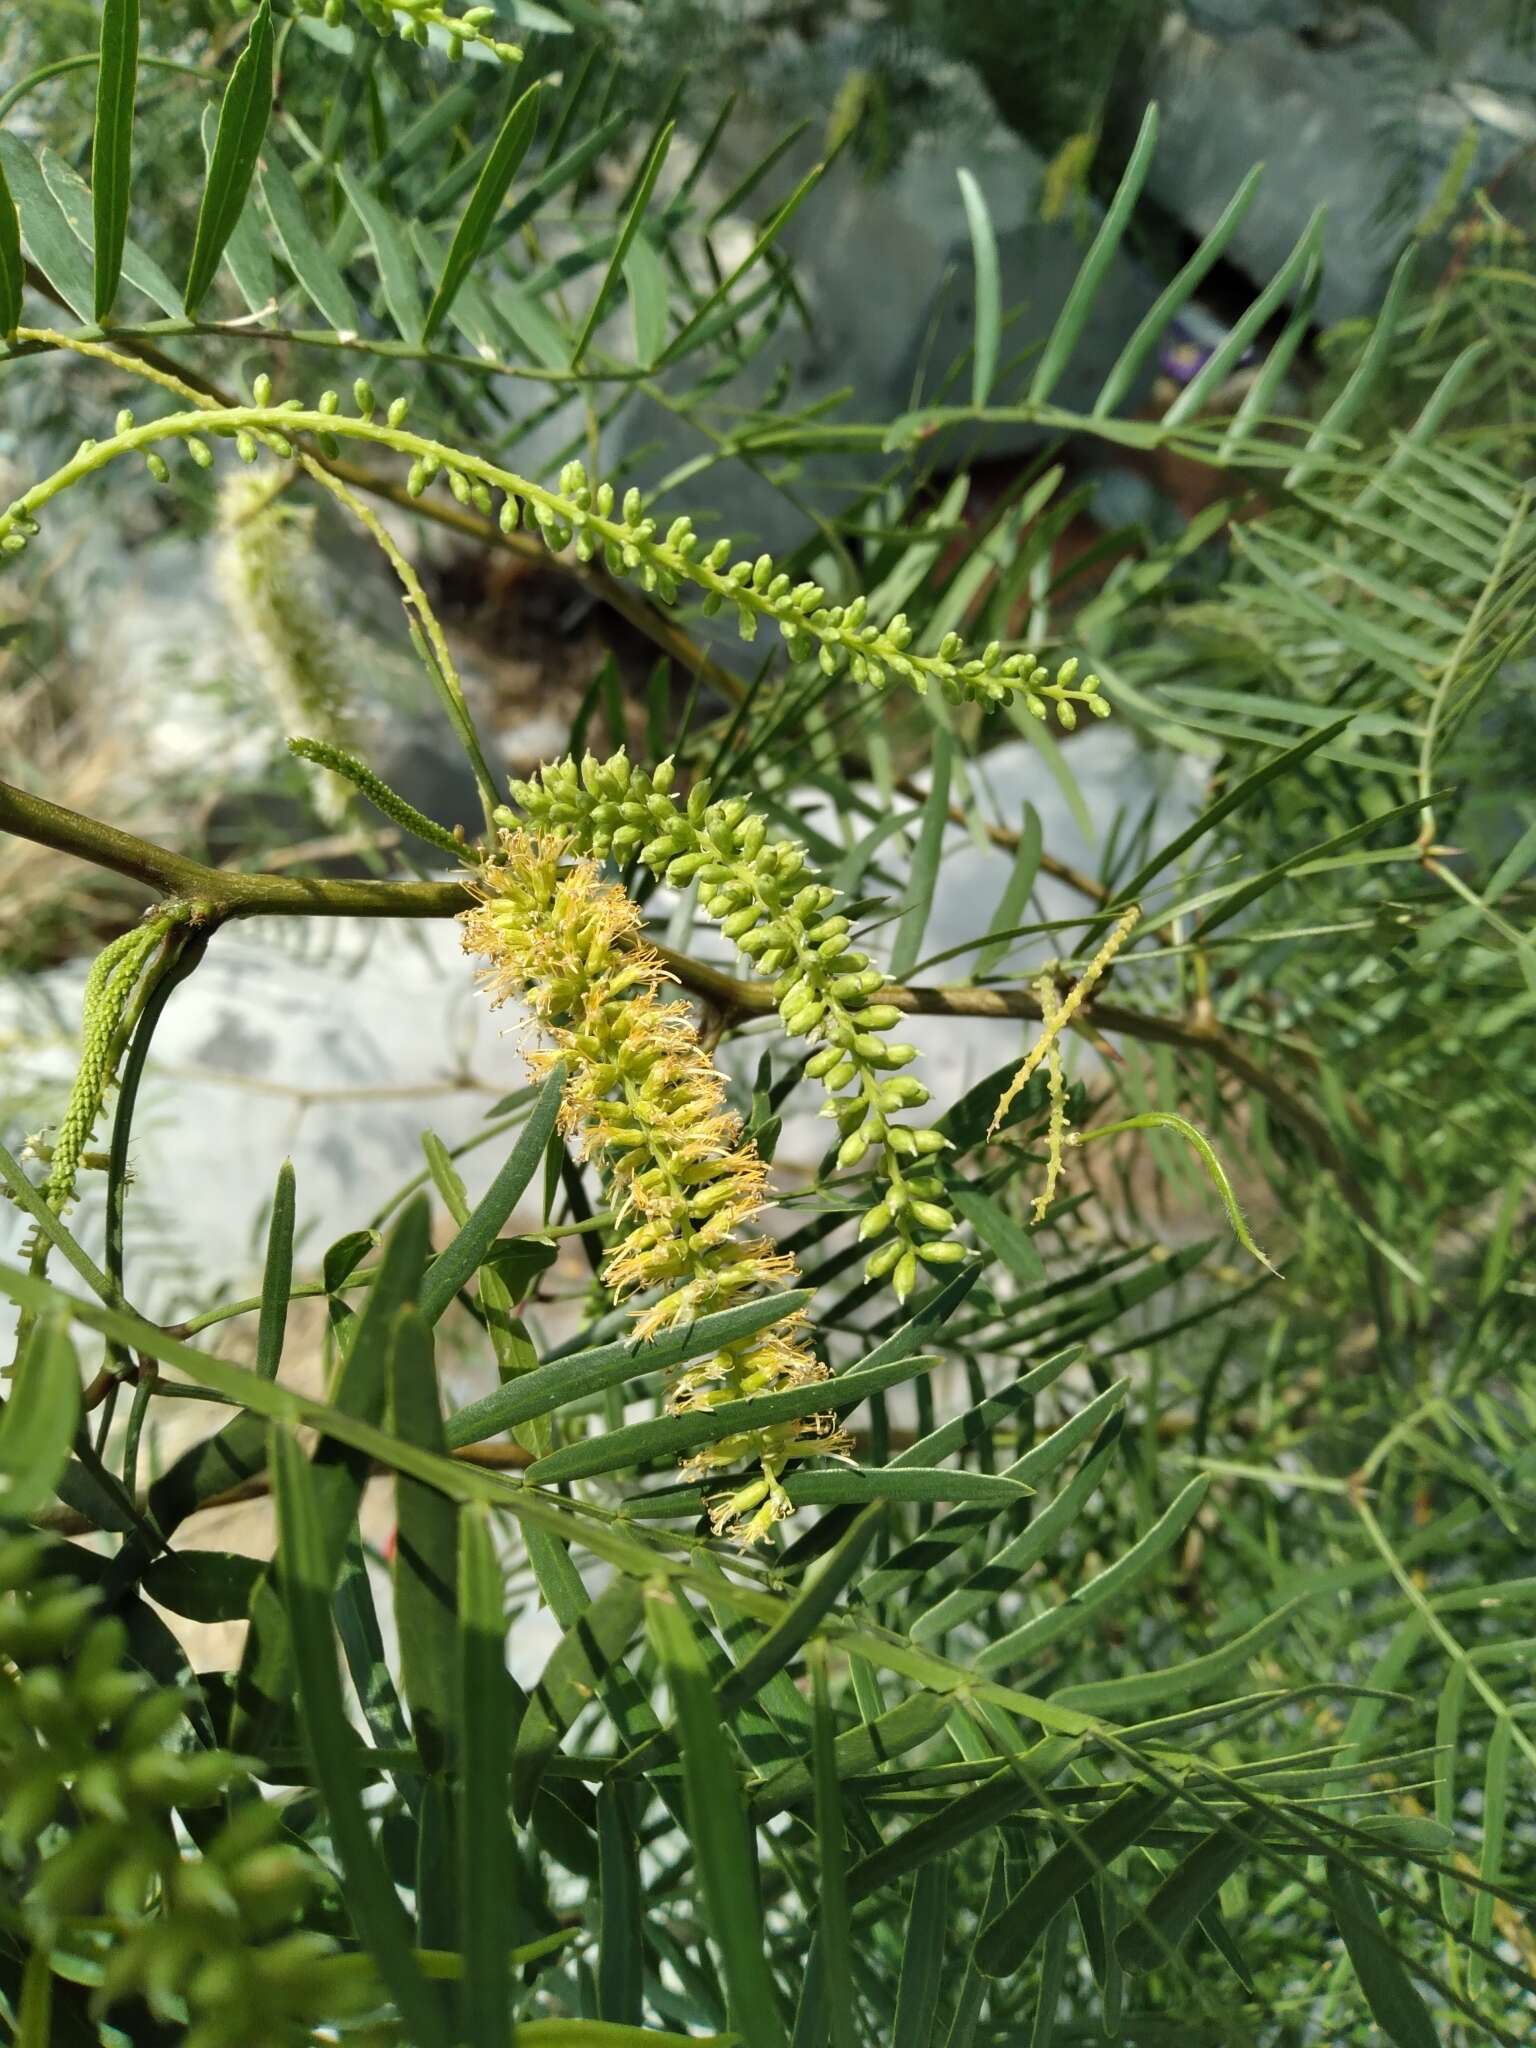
[[932, 1216], [853, 1148], [881, 1260], [904, 1277], [943, 1252]]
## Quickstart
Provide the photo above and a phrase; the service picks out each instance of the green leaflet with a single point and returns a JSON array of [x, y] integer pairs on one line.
[[501, 167], [242, 125], [112, 146], [1006, 1941]]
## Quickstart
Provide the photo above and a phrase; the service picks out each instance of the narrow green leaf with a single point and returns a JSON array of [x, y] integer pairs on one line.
[[318, 277], [600, 2034], [51, 242], [1019, 1782], [835, 1484], [306, 1574], [880, 1741], [1053, 1971], [976, 1424], [1362, 379], [426, 1547], [1176, 295], [1165, 1922], [1131, 1566], [620, 1923], [973, 1986], [575, 1376], [922, 1958], [924, 875], [39, 1420], [12, 272], [242, 124], [1021, 880], [112, 144], [454, 1266], [246, 253], [1000, 1234], [989, 310], [277, 1275], [1234, 799], [670, 1436], [1229, 352], [579, 1663], [645, 278], [1388, 1989], [931, 1548], [1057, 352], [1490, 1868], [1006, 1942], [488, 1861], [216, 1466], [77, 206], [204, 1585], [392, 252], [501, 167], [265, 1679], [627, 234], [1002, 1571], [1453, 1697], [727, 1878], [762, 243], [1120, 1698], [34, 2014], [833, 1933]]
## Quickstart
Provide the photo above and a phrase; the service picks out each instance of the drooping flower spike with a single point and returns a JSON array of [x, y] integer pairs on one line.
[[644, 1102], [770, 902]]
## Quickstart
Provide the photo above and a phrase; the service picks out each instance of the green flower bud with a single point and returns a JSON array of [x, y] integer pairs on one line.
[[880, 1262], [852, 1149]]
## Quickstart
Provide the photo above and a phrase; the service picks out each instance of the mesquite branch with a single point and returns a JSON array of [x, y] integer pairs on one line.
[[216, 895]]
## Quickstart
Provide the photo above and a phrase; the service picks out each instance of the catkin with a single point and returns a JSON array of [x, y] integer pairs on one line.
[[645, 1103]]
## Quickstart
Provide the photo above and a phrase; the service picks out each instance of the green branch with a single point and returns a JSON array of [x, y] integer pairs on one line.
[[217, 894]]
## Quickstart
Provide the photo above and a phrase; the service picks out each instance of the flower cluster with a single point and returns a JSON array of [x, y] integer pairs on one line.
[[1056, 1083], [838, 636], [643, 1100], [207, 1940], [1056, 1013], [268, 576], [109, 987], [412, 20], [768, 900], [592, 520]]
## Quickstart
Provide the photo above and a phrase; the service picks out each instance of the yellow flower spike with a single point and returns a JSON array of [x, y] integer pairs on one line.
[[646, 1104], [1076, 996], [1050, 1011]]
